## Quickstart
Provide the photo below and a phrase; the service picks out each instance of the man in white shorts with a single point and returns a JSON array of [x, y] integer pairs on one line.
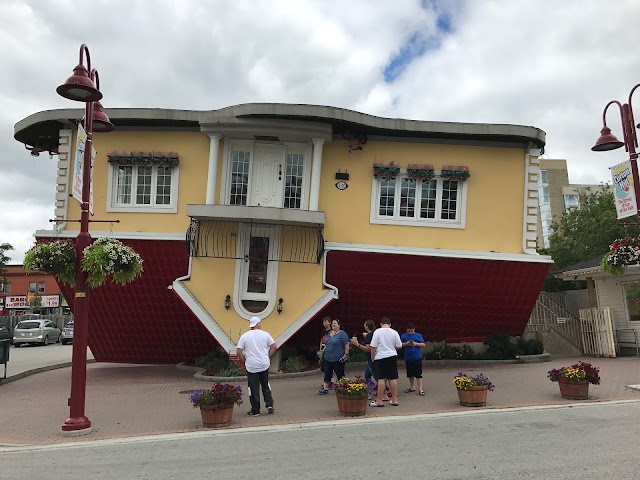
[[384, 353]]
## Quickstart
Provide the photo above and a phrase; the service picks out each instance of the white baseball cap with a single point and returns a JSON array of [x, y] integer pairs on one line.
[[254, 321]]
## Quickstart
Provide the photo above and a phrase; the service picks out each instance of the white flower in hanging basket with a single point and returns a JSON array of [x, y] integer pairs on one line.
[[57, 257], [108, 256]]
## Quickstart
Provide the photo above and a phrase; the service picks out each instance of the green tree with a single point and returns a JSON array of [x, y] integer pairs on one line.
[[4, 259], [584, 233]]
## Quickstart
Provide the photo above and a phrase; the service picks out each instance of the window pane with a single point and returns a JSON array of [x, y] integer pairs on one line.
[[163, 186], [40, 287], [387, 196], [543, 177], [632, 294], [428, 200], [32, 286], [7, 288], [449, 200], [258, 263], [407, 197], [239, 178], [143, 186], [293, 180], [123, 190]]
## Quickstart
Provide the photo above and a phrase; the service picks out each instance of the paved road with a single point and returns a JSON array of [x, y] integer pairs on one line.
[[25, 358], [590, 441]]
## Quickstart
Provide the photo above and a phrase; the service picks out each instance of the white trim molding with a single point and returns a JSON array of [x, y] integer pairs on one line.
[[531, 205], [121, 235], [322, 302], [316, 169], [437, 252], [212, 174], [65, 137]]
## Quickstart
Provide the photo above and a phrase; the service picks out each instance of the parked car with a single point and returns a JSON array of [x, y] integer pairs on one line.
[[67, 333], [5, 333], [40, 331]]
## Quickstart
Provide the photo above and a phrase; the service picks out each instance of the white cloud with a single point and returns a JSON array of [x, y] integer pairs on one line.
[[553, 65]]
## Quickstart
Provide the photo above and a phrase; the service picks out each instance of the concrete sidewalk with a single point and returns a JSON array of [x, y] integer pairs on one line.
[[131, 400]]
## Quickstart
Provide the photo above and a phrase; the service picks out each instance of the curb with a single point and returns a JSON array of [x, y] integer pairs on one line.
[[272, 375], [543, 357], [33, 371]]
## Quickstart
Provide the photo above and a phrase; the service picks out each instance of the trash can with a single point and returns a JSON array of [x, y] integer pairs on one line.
[[4, 354]]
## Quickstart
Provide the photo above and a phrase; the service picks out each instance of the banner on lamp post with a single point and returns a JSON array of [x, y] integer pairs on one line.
[[78, 168], [624, 191]]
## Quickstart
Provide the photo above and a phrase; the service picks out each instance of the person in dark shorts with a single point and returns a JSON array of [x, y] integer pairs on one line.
[[412, 343], [369, 371], [384, 352]]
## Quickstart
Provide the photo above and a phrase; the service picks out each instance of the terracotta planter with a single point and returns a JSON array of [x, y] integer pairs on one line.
[[574, 390], [473, 396], [214, 416], [351, 406]]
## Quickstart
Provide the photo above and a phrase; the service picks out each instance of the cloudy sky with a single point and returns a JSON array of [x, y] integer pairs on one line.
[[546, 63]]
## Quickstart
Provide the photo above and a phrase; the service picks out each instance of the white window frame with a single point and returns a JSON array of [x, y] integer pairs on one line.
[[7, 288], [416, 221], [242, 271], [231, 145], [33, 287], [112, 186], [41, 290]]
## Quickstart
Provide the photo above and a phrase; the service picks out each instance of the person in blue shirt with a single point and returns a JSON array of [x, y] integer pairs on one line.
[[336, 352], [412, 343]]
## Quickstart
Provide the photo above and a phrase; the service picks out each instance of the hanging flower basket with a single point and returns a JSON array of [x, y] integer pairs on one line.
[[385, 170], [452, 172], [420, 172], [110, 257], [622, 253], [57, 257]]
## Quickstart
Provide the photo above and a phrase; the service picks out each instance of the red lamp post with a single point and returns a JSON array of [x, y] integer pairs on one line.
[[81, 87], [608, 141]]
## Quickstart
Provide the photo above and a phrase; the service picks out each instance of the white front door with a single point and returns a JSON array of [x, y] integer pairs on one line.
[[268, 164]]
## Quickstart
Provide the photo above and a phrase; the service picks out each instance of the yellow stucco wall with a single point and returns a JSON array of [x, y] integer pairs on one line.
[[494, 207], [193, 150], [299, 285]]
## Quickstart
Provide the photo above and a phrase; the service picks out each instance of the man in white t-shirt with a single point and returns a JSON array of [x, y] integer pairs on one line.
[[384, 353], [255, 348]]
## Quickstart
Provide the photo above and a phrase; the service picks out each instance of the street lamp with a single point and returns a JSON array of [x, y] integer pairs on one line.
[[608, 141], [83, 86]]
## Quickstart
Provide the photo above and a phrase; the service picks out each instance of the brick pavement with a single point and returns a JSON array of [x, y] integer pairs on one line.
[[133, 400]]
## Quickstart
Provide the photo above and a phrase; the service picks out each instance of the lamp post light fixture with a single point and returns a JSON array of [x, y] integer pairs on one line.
[[279, 306], [608, 141], [227, 302], [83, 86]]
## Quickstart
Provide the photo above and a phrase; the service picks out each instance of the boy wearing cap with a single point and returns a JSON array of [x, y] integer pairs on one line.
[[255, 348]]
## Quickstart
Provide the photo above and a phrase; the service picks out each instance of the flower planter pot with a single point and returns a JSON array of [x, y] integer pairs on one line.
[[574, 390], [214, 416], [351, 406], [473, 396]]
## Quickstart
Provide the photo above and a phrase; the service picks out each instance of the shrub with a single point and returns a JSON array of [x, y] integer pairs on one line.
[[436, 353], [465, 352], [293, 364], [530, 347], [230, 370], [451, 351], [357, 355], [500, 346]]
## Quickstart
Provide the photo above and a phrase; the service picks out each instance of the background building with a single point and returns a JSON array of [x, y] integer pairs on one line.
[[556, 195], [21, 288]]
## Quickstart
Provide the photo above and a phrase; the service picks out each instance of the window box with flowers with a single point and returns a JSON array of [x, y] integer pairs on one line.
[[622, 253], [420, 172], [108, 257], [455, 172], [385, 170], [57, 257], [472, 390], [352, 396], [574, 380], [216, 403]]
